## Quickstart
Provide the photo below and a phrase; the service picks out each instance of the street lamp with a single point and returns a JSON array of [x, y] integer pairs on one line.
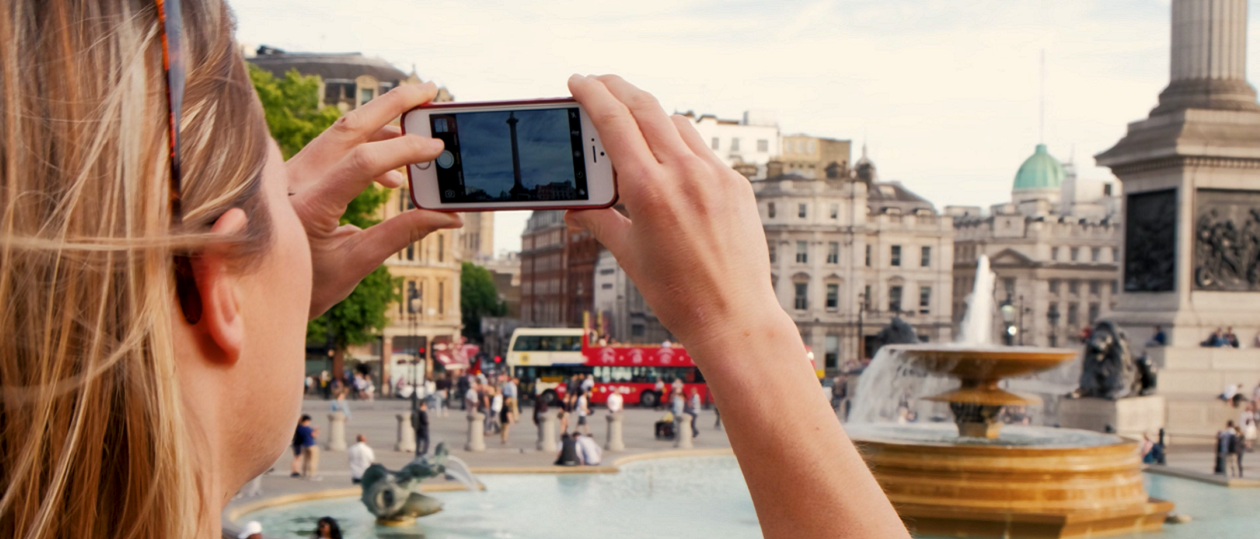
[[413, 306], [1053, 318], [1009, 312]]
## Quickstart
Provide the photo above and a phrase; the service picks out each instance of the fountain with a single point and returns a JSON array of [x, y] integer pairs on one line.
[[978, 479], [395, 497]]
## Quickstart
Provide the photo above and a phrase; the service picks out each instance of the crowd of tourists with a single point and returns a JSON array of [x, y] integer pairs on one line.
[[356, 383]]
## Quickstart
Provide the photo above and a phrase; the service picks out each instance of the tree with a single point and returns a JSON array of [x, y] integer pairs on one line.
[[294, 117], [477, 298]]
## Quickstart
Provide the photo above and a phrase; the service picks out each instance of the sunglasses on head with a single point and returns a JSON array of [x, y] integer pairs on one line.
[[173, 64]]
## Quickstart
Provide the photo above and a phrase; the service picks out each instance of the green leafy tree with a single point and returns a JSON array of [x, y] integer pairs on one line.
[[294, 117], [478, 298]]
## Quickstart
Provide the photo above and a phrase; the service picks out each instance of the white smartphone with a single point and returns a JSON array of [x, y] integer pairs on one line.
[[510, 155]]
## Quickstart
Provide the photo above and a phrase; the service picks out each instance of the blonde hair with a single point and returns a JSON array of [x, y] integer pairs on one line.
[[95, 438]]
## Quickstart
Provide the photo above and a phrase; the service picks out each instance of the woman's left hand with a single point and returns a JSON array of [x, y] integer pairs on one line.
[[361, 147]]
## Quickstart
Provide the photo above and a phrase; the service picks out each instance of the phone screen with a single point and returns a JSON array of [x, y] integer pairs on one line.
[[517, 155]]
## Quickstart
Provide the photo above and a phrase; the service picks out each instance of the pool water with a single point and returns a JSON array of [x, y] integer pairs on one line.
[[685, 497]]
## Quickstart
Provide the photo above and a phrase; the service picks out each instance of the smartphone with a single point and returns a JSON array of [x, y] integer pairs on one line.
[[510, 155]]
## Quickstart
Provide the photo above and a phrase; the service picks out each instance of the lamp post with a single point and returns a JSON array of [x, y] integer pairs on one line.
[[1053, 318], [1009, 313], [413, 306]]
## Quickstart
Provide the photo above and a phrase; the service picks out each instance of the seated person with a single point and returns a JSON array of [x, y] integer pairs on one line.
[[665, 426], [588, 450], [568, 451]]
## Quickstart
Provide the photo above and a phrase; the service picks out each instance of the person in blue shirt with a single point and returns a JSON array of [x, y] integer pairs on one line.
[[306, 435]]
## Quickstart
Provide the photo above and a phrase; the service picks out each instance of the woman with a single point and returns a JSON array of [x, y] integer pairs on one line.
[[340, 404], [155, 310], [327, 528]]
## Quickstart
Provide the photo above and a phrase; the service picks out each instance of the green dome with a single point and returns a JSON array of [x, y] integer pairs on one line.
[[1041, 171]]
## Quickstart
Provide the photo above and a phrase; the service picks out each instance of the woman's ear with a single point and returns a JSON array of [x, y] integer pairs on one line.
[[221, 326]]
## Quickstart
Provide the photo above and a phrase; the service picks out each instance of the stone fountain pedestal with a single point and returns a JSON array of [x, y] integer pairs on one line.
[[1129, 417]]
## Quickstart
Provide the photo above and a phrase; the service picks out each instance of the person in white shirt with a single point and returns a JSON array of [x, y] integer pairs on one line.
[[615, 402], [581, 410], [361, 456], [496, 408], [588, 450], [471, 398], [588, 383]]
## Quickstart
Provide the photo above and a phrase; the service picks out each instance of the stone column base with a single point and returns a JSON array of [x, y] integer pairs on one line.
[[1129, 417]]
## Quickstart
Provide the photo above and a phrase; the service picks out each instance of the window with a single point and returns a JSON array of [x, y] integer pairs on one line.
[[833, 296], [403, 199], [763, 145], [412, 298], [1072, 315], [441, 241], [1093, 312], [1054, 286], [1074, 286], [1115, 254], [366, 94], [607, 271], [1074, 253], [925, 299], [441, 298], [1053, 315], [868, 256], [925, 257], [802, 210], [835, 211], [1114, 286], [637, 330], [411, 252], [772, 254], [1106, 189], [1095, 288], [770, 210], [802, 296], [1008, 285], [895, 258], [717, 143], [831, 357], [734, 145], [1095, 254], [1054, 253], [866, 298], [802, 252], [833, 252], [894, 299], [606, 286]]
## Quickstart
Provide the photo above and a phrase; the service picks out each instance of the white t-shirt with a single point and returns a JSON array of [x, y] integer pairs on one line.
[[587, 384], [581, 406], [588, 451], [1230, 391], [496, 403], [614, 403], [361, 456], [471, 396]]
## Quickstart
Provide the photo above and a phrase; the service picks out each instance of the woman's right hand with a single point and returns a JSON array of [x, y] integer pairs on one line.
[[692, 241]]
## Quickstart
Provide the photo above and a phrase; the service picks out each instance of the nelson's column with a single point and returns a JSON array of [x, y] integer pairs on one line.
[[1191, 174]]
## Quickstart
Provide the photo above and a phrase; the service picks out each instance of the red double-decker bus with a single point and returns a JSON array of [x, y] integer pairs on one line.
[[543, 358]]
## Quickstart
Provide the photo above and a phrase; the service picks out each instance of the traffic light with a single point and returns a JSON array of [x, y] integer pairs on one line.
[[498, 359]]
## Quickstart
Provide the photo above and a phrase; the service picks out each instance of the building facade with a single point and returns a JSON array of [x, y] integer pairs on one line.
[[428, 315], [1054, 249], [810, 157], [623, 314], [752, 141], [849, 253], [545, 270]]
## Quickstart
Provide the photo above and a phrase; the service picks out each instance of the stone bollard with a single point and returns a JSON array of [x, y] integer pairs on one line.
[[682, 438], [547, 433], [615, 442], [406, 435], [476, 432], [336, 432]]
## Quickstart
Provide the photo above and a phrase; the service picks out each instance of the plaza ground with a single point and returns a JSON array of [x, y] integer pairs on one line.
[[378, 421]]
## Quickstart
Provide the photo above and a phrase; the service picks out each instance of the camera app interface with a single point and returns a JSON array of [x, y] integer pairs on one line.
[[511, 156]]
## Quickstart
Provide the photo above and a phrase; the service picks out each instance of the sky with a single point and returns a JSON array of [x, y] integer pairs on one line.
[[946, 93]]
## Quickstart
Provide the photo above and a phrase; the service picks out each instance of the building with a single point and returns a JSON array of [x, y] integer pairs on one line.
[[750, 141], [477, 237], [544, 270], [1054, 249], [623, 314], [810, 157], [1191, 255], [850, 252], [506, 271], [429, 313]]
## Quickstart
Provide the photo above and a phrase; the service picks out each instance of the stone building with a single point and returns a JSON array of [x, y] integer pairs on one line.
[[752, 141], [848, 253], [428, 316], [1053, 248], [544, 270], [1191, 253], [625, 315], [810, 157]]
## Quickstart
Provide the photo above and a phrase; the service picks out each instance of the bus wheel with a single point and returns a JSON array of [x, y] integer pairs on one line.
[[649, 399], [550, 398]]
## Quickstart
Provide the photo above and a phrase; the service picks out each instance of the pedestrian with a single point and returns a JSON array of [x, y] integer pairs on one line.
[[679, 408], [563, 416], [581, 410], [360, 456], [1229, 393], [568, 451], [471, 399], [660, 392], [435, 400], [494, 424], [340, 405], [540, 410], [325, 384], [1231, 340], [252, 530], [665, 427], [511, 396], [310, 450], [615, 402], [677, 387], [296, 444], [506, 416], [327, 528], [420, 423], [1249, 429], [1236, 449], [1159, 339], [588, 383], [1224, 443], [588, 450], [693, 408]]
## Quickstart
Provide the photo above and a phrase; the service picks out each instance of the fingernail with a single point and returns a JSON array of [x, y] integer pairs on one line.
[[575, 78]]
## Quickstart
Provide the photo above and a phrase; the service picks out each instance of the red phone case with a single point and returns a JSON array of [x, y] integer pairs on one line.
[[556, 100]]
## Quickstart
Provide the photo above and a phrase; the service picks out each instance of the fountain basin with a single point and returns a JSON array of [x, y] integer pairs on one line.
[[1031, 482]]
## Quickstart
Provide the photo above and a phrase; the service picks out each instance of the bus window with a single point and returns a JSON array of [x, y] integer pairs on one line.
[[526, 343]]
